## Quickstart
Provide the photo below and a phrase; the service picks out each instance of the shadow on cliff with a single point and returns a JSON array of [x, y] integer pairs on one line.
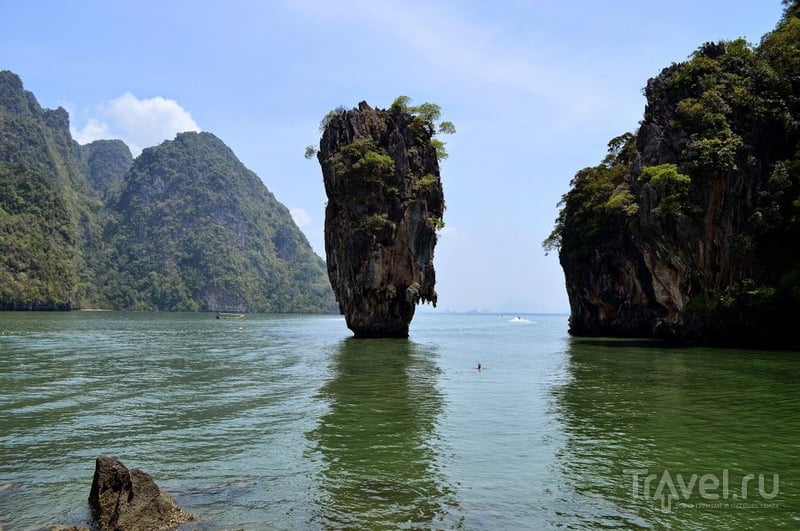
[[379, 467]]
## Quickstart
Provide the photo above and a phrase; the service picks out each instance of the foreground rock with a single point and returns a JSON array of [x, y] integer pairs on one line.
[[129, 500], [385, 202]]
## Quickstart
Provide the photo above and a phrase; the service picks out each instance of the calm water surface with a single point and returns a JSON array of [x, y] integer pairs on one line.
[[289, 424]]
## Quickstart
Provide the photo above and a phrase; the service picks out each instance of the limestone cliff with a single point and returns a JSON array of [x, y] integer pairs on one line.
[[690, 229], [47, 207], [385, 202], [184, 227], [196, 230]]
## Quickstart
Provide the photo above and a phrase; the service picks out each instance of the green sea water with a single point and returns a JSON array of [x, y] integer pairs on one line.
[[291, 424]]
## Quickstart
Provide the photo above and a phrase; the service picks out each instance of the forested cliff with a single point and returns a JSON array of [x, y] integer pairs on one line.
[[690, 228], [185, 226]]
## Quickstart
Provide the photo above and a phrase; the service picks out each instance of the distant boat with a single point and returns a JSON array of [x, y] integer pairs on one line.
[[227, 315]]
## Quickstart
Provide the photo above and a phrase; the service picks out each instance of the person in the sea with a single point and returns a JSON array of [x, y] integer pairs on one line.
[[479, 366]]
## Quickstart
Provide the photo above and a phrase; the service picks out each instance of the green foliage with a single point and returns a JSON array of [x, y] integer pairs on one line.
[[621, 149], [622, 200], [241, 252], [439, 147], [671, 187], [373, 223], [426, 117], [665, 175], [365, 162], [328, 117], [434, 222], [428, 114], [107, 162], [716, 154], [447, 128], [38, 252], [185, 227], [598, 202], [374, 164], [426, 183], [400, 104], [49, 213]]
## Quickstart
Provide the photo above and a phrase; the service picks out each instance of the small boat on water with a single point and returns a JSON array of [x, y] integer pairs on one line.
[[228, 315]]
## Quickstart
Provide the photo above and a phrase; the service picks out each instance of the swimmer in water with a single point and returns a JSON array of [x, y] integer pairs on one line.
[[479, 367]]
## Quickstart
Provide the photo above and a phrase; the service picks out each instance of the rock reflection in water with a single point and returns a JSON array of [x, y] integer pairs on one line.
[[630, 409], [376, 442]]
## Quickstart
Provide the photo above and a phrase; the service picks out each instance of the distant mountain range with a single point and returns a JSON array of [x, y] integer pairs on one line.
[[183, 227]]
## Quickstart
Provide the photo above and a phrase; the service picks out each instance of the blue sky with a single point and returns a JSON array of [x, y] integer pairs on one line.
[[535, 88]]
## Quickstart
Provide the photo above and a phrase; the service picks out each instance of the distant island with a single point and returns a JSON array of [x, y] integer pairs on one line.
[[183, 227], [690, 228]]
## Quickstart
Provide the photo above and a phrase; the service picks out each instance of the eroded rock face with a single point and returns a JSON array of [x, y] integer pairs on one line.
[[689, 229], [385, 202], [129, 500]]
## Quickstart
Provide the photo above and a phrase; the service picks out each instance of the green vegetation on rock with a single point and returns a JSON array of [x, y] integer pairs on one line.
[[691, 229], [196, 230], [47, 208], [183, 227], [385, 202]]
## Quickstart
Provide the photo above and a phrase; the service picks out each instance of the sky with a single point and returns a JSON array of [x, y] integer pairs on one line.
[[535, 89]]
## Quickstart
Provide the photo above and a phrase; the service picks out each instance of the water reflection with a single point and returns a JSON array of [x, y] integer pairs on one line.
[[377, 440], [631, 410]]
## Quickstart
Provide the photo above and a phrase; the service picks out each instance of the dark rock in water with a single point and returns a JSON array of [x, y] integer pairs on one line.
[[129, 500], [385, 202]]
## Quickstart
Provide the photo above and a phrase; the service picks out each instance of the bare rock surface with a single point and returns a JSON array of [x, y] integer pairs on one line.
[[125, 499]]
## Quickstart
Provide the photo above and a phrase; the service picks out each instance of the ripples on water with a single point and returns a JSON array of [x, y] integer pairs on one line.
[[289, 424]]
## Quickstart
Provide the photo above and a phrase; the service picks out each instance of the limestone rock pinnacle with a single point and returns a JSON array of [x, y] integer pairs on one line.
[[385, 202]]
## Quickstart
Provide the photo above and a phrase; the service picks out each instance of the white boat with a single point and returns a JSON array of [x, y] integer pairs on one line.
[[228, 315]]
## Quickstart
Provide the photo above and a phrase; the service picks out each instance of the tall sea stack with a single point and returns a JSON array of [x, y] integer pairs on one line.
[[385, 202]]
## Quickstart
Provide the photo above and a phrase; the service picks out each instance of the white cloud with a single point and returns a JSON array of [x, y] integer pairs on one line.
[[93, 130], [138, 122], [301, 217]]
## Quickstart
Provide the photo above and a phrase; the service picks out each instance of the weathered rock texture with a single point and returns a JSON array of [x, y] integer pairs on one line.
[[129, 500], [385, 202], [690, 230]]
